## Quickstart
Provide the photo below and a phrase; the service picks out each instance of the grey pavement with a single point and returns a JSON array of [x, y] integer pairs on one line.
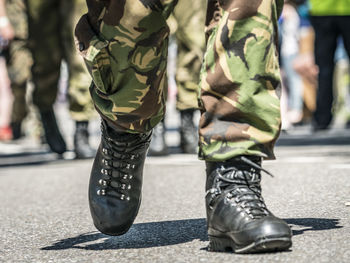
[[45, 217]]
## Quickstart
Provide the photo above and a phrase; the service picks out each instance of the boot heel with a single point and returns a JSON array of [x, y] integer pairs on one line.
[[220, 244]]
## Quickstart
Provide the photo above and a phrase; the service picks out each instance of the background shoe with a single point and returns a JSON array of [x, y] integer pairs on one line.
[[16, 128], [116, 180], [52, 134], [238, 219], [82, 148], [5, 133], [158, 146], [188, 132]]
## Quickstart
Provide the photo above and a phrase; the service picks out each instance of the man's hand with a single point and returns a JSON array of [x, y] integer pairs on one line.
[[305, 65]]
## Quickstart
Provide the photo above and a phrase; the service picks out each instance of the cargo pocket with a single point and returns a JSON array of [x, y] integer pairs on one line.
[[94, 50]]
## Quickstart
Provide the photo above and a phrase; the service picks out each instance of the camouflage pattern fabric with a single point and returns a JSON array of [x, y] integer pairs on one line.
[[124, 44], [240, 80], [18, 58], [51, 24], [190, 38], [127, 60]]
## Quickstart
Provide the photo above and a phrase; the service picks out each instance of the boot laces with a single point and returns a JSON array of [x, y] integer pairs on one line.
[[118, 165], [241, 187]]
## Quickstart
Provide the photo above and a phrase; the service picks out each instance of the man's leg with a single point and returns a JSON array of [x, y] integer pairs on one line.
[[326, 35], [240, 122], [19, 62], [124, 44], [80, 104], [44, 43], [190, 17]]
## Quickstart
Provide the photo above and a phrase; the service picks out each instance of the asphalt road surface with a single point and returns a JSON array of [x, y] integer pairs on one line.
[[45, 218]]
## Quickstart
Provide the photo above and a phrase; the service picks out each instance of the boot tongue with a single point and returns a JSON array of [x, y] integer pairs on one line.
[[121, 141], [242, 173]]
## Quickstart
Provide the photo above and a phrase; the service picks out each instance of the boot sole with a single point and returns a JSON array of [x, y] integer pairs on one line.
[[272, 244]]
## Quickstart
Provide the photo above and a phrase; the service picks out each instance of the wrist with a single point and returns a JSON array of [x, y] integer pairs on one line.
[[4, 21]]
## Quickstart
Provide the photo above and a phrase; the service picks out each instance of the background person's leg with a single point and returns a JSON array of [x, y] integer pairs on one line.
[[45, 45], [326, 34], [190, 38], [81, 107]]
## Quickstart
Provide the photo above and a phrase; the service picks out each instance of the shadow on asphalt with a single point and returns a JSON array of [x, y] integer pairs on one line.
[[167, 233], [312, 224], [142, 235]]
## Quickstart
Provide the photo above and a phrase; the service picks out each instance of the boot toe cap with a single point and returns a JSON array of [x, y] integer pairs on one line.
[[115, 218]]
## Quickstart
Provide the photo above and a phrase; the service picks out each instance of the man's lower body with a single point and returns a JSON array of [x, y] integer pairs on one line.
[[51, 41], [328, 29], [19, 61], [124, 45]]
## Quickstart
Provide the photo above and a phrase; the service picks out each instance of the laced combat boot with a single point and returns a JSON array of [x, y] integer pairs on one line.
[[158, 146], [116, 180], [237, 217], [53, 135], [82, 148], [188, 132]]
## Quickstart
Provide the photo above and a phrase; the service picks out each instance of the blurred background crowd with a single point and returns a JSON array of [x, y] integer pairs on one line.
[[39, 67]]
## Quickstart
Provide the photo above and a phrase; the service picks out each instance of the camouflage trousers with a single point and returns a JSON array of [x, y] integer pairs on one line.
[[51, 40], [124, 44], [190, 18]]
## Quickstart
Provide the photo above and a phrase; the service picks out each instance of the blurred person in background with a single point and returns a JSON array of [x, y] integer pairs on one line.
[[5, 102], [19, 61], [5, 91], [6, 34], [304, 64], [187, 21], [50, 25], [43, 33], [330, 20], [292, 97]]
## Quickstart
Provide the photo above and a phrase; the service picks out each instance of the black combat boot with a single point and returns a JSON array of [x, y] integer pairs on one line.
[[158, 146], [116, 180], [52, 134], [16, 130], [82, 147], [188, 132], [237, 217]]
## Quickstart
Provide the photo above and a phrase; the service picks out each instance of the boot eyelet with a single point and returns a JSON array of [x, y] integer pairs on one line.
[[101, 192], [130, 166], [124, 197], [104, 171], [102, 182]]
